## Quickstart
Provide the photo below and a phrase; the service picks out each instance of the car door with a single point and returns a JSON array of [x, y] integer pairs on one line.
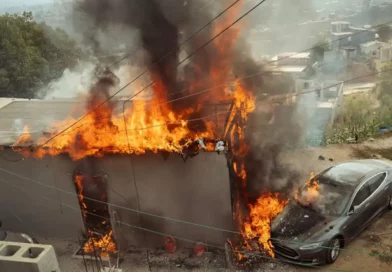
[[359, 208], [378, 196]]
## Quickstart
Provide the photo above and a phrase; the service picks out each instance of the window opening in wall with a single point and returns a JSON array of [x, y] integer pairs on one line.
[[92, 196]]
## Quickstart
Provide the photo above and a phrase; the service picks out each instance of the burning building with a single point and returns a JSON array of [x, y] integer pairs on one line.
[[130, 172], [157, 182]]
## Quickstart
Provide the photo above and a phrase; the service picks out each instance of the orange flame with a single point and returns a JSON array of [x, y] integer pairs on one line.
[[79, 184], [266, 208], [154, 126], [148, 129], [103, 245], [310, 191]]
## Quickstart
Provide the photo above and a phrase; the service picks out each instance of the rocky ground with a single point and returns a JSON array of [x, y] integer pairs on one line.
[[371, 251]]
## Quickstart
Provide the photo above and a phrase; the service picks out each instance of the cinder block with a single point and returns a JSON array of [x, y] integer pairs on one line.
[[23, 257], [108, 269]]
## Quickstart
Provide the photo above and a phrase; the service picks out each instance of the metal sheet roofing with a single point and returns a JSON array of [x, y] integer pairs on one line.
[[38, 115]]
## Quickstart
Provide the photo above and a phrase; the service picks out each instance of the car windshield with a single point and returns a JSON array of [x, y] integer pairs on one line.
[[324, 196]]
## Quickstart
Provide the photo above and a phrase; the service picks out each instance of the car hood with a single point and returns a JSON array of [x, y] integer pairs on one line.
[[300, 224]]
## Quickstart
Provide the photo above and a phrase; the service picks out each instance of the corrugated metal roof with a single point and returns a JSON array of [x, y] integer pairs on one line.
[[38, 115]]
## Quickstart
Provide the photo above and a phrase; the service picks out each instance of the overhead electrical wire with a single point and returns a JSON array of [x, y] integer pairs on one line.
[[205, 4], [226, 112], [201, 118], [170, 52], [251, 75], [212, 115], [259, 103], [186, 239], [271, 62]]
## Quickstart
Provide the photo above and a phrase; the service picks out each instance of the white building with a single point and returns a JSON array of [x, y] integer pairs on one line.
[[380, 52], [292, 63]]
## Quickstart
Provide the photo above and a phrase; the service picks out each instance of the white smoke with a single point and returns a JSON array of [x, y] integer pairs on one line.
[[77, 82], [17, 127], [72, 83]]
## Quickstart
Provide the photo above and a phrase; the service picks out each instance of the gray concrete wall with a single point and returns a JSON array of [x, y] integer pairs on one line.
[[197, 191]]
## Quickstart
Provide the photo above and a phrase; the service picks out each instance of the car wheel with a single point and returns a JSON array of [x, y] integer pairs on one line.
[[333, 250]]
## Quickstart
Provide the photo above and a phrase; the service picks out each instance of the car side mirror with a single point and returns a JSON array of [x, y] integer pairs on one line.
[[352, 210]]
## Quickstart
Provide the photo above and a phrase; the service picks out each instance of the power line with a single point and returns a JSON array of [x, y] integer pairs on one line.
[[205, 4], [225, 112], [274, 61], [170, 52], [201, 118], [180, 238], [267, 102], [161, 233], [246, 77], [163, 217]]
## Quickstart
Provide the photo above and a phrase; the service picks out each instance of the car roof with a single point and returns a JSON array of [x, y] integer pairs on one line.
[[352, 173]]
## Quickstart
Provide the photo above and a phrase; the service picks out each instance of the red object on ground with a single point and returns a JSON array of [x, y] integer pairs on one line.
[[199, 249], [170, 245]]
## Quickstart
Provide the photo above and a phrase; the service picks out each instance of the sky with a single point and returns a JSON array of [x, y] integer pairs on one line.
[[11, 3]]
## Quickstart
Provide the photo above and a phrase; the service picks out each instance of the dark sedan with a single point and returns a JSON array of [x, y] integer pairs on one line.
[[331, 210]]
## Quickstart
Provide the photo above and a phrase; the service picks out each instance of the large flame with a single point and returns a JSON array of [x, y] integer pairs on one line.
[[266, 208], [155, 126], [148, 129]]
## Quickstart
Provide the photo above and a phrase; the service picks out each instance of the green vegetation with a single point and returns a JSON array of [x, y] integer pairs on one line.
[[363, 114], [32, 54]]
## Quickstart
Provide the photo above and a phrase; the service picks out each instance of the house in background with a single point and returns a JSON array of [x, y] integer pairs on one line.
[[344, 36], [320, 108], [296, 65], [379, 53]]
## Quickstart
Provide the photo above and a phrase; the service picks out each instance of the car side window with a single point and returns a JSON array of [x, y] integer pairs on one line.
[[376, 181], [361, 195]]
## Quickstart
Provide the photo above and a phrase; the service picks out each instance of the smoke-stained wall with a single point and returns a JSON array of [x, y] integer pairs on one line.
[[197, 191]]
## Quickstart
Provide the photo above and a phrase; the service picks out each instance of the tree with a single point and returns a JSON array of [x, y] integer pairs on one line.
[[31, 55], [385, 33]]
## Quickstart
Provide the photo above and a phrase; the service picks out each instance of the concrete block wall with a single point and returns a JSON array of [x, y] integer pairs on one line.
[[23, 257]]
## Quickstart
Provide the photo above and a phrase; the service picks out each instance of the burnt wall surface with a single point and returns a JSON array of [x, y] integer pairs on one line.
[[197, 191]]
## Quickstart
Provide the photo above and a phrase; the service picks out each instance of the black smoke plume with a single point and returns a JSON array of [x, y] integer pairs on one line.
[[158, 35], [162, 26]]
